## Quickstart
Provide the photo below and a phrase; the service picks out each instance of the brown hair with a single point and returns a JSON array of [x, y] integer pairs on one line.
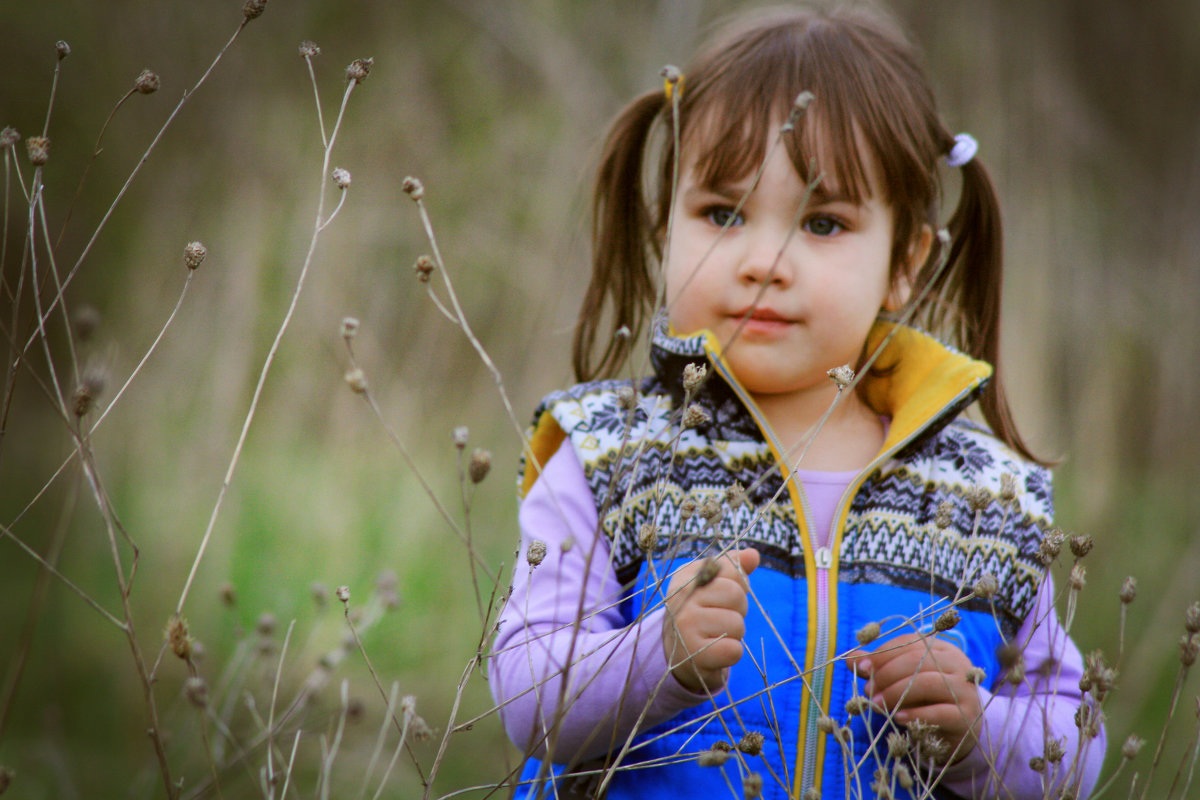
[[872, 101]]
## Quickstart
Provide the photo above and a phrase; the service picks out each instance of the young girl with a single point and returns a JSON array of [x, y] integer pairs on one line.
[[730, 589]]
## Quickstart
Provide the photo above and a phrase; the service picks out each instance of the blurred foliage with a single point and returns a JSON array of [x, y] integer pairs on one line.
[[1087, 115]]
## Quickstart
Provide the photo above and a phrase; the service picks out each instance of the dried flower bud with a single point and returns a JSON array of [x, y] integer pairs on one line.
[[1128, 590], [341, 177], [648, 538], [882, 784], [987, 586], [812, 794], [709, 569], [622, 333], [266, 624], [91, 385], [1050, 546], [1081, 545], [349, 328], [751, 743], [413, 187], [710, 510], [712, 757], [178, 638], [944, 515], [1008, 654], [1037, 764], [943, 237], [9, 136], [481, 462], [826, 725], [977, 498], [626, 398], [228, 595], [752, 786], [194, 254], [536, 553], [856, 705], [459, 436], [567, 544], [898, 745], [867, 633], [39, 150], [146, 82], [1008, 487], [84, 321], [309, 49], [62, 49], [671, 74], [356, 379], [253, 9], [693, 376], [735, 494], [1189, 648], [976, 675], [1055, 749], [1132, 745], [687, 508], [1089, 719], [1191, 618], [195, 689], [946, 620], [803, 100], [1016, 673], [343, 594], [695, 416], [843, 376], [424, 268], [903, 776]]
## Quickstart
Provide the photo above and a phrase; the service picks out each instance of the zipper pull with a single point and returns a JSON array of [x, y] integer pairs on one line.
[[824, 558]]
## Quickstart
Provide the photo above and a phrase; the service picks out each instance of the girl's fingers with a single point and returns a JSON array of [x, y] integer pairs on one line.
[[953, 721], [924, 689], [722, 593]]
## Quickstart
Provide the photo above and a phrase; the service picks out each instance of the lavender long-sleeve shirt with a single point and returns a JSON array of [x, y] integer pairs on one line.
[[565, 612]]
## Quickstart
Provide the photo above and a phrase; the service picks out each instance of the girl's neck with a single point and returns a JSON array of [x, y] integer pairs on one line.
[[848, 440]]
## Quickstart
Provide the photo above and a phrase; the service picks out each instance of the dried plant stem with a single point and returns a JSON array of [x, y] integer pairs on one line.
[[377, 751], [271, 710], [331, 753], [262, 376], [1180, 677]]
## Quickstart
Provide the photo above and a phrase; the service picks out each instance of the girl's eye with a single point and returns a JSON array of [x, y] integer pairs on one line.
[[722, 216], [823, 226]]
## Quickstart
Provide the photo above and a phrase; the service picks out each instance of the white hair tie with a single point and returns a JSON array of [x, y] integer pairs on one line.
[[963, 151]]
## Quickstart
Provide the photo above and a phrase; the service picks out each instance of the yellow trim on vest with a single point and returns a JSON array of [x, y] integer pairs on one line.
[[547, 437]]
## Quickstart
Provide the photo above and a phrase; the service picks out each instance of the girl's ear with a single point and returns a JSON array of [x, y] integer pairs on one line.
[[902, 285]]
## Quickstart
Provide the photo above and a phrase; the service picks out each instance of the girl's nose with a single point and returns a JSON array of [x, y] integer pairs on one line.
[[767, 260]]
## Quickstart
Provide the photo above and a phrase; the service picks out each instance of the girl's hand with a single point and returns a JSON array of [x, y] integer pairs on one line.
[[921, 677], [706, 619]]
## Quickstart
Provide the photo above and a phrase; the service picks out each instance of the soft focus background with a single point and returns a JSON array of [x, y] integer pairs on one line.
[[1088, 114]]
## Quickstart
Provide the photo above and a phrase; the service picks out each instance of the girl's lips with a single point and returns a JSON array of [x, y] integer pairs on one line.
[[762, 322]]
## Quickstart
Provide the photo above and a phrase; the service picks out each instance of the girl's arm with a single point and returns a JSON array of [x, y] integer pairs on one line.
[[1018, 720], [614, 672]]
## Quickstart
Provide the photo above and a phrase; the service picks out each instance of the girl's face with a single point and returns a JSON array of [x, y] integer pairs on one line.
[[809, 300]]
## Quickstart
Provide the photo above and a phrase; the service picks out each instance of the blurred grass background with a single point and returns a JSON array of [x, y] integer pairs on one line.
[[1088, 115]]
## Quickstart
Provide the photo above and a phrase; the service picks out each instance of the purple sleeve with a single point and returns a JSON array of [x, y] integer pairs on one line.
[[1017, 720], [575, 690]]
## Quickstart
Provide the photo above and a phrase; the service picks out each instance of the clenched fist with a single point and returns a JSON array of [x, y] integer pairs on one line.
[[706, 619]]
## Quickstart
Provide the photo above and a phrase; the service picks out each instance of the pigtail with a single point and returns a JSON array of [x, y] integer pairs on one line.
[[621, 228], [970, 289]]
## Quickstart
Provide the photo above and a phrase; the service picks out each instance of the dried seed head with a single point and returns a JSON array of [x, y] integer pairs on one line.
[[1016, 673], [536, 553], [424, 268], [944, 515], [976, 675], [91, 385], [712, 757], [62, 49], [266, 624], [1081, 545], [39, 150], [751, 743], [1132, 745], [319, 593], [459, 436], [1008, 487], [826, 725], [9, 136], [178, 638], [857, 705], [309, 49], [85, 320], [867, 633], [228, 595], [695, 416], [687, 508], [356, 379], [671, 73], [481, 462], [735, 494], [1089, 719], [1055, 749], [1189, 648], [194, 254], [882, 784], [693, 376], [812, 794], [1078, 577], [341, 177], [1098, 677], [195, 689], [803, 100], [648, 538], [946, 620], [903, 776], [1008, 654], [567, 544], [1128, 590], [710, 510], [843, 376], [898, 745], [349, 328], [253, 9], [752, 786], [1037, 764], [343, 594], [708, 572], [622, 333], [413, 187], [937, 748], [1050, 546], [1191, 618], [977, 498], [146, 82], [987, 586], [626, 398]]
